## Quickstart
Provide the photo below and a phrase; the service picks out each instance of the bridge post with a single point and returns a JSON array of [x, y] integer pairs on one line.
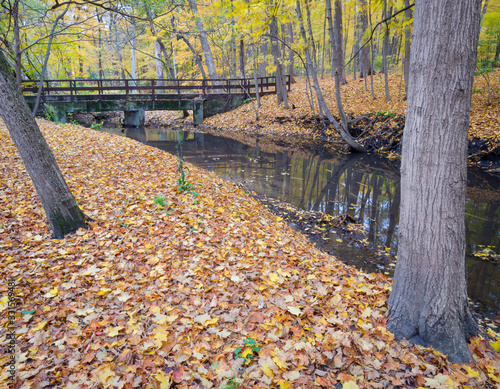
[[197, 111], [134, 118]]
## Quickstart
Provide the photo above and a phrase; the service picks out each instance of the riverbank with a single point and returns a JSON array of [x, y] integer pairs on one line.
[[193, 288], [381, 120]]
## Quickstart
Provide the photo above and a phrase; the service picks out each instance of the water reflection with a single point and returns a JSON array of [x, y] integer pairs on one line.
[[366, 187]]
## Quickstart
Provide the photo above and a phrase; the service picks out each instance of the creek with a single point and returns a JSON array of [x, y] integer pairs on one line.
[[366, 187]]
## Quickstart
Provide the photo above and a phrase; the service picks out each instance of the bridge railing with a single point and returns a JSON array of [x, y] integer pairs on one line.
[[153, 88]]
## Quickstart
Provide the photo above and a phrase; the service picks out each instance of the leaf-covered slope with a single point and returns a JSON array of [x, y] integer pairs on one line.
[[294, 125], [192, 294]]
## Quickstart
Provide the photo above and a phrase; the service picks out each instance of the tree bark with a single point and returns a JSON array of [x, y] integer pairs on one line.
[[333, 43], [17, 42], [59, 205], [263, 57], [133, 60], [337, 34], [385, 49], [428, 303], [364, 54], [281, 92], [291, 54], [158, 63], [497, 51], [406, 63], [207, 51], [242, 58]]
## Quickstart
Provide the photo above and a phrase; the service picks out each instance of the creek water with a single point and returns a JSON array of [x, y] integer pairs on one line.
[[362, 186]]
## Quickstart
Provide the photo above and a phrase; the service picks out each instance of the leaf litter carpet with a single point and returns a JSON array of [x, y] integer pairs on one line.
[[207, 291]]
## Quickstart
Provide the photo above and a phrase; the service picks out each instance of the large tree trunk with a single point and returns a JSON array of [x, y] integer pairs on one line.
[[428, 303], [207, 51], [158, 63], [57, 201]]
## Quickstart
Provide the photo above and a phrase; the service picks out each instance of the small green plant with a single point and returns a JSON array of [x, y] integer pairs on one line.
[[247, 352], [183, 185], [49, 112], [477, 90], [230, 384], [160, 200], [96, 126], [71, 118], [386, 114]]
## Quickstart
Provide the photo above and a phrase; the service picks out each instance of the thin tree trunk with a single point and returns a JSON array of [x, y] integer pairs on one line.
[[428, 303], [46, 60], [59, 205], [323, 51], [406, 63], [133, 60], [17, 42], [497, 51], [242, 59], [364, 54], [331, 38], [341, 129], [385, 49], [337, 34], [263, 57], [311, 36], [290, 52], [281, 92], [207, 51]]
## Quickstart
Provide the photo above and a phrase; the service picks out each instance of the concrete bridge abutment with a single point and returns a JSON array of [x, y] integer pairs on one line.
[[134, 118]]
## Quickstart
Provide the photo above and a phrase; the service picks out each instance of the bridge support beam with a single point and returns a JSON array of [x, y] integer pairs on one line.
[[134, 118], [198, 111], [60, 114]]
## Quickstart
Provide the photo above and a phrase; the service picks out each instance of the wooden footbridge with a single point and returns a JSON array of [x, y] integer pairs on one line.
[[135, 96]]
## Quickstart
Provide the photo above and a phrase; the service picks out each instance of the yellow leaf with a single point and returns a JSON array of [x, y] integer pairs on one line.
[[53, 292], [113, 331], [267, 370], [495, 345], [246, 352], [104, 291], [215, 320], [284, 384], [471, 372], [274, 277], [350, 385], [104, 374], [280, 363], [163, 379], [40, 326]]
